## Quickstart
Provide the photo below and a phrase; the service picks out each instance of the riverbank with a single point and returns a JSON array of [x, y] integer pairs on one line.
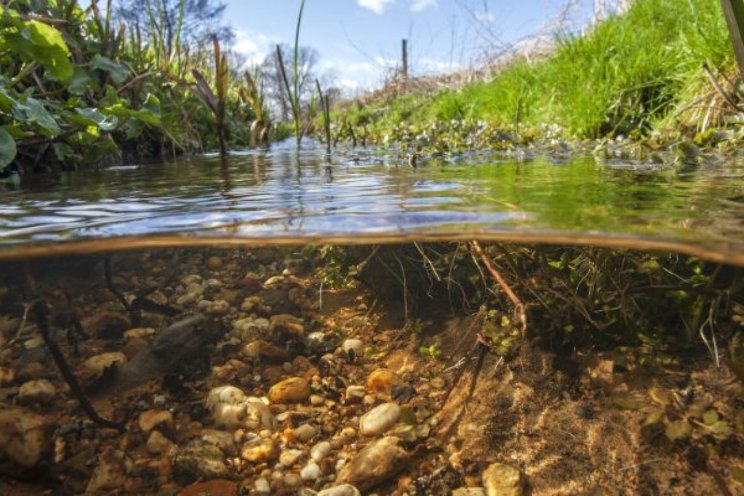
[[345, 370], [632, 87]]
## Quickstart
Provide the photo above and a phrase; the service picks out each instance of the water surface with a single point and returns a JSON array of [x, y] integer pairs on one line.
[[363, 194]]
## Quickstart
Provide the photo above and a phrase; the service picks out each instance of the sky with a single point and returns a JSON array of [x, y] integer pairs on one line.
[[359, 41]]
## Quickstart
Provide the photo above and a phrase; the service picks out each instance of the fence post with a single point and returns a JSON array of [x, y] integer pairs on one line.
[[733, 10], [404, 55]]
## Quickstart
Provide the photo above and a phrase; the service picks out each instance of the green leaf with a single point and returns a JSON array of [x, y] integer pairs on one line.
[[135, 127], [8, 148], [94, 117], [78, 82], [152, 105], [118, 72], [33, 111], [42, 43], [149, 113]]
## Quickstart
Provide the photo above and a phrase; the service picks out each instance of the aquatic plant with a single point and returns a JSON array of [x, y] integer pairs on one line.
[[293, 90], [325, 108], [215, 100]]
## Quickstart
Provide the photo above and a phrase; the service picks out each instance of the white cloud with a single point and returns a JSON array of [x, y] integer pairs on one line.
[[376, 6], [253, 46], [419, 5]]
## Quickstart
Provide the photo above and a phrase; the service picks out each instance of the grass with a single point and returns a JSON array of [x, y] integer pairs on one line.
[[631, 73]]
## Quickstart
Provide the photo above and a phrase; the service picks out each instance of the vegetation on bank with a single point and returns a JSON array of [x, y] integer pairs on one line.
[[643, 74], [78, 86]]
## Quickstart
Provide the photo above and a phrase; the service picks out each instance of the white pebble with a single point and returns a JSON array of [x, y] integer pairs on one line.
[[262, 486], [320, 451], [311, 472]]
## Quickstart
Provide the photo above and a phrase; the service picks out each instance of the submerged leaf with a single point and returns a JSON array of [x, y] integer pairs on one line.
[[628, 401], [679, 429]]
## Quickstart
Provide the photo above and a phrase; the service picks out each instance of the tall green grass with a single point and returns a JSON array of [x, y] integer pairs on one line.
[[631, 72]]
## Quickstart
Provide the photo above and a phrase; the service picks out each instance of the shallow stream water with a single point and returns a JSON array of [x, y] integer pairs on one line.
[[482, 325], [363, 194]]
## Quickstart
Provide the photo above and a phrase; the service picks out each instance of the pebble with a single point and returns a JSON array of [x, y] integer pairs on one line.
[[35, 342], [200, 461], [109, 475], [95, 365], [187, 299], [265, 451], [292, 481], [214, 263], [288, 324], [381, 381], [7, 376], [24, 437], [218, 307], [36, 391], [191, 279], [379, 419], [223, 440], [377, 462], [311, 472], [158, 444], [341, 490], [150, 419], [354, 394], [320, 451], [262, 486], [262, 349], [289, 457], [469, 491], [316, 400], [502, 480], [355, 345], [292, 390], [305, 432], [138, 333], [254, 304]]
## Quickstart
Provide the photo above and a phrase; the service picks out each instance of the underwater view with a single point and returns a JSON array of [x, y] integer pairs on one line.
[[372, 247], [198, 328]]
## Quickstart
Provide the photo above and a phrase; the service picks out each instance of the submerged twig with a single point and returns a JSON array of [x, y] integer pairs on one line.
[[518, 305], [42, 321]]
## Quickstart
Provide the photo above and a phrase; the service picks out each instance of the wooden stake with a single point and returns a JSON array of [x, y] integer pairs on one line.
[[733, 10]]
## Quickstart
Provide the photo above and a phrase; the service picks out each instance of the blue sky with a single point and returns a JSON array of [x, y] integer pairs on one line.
[[359, 39]]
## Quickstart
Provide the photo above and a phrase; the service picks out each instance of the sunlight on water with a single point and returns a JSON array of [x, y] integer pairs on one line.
[[259, 194]]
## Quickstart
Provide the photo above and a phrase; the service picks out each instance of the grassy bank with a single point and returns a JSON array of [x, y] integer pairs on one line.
[[631, 75]]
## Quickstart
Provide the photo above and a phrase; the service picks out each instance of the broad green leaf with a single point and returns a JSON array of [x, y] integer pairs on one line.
[[152, 105], [144, 115], [94, 116], [33, 111], [42, 43], [118, 72], [8, 148], [135, 127], [78, 82]]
